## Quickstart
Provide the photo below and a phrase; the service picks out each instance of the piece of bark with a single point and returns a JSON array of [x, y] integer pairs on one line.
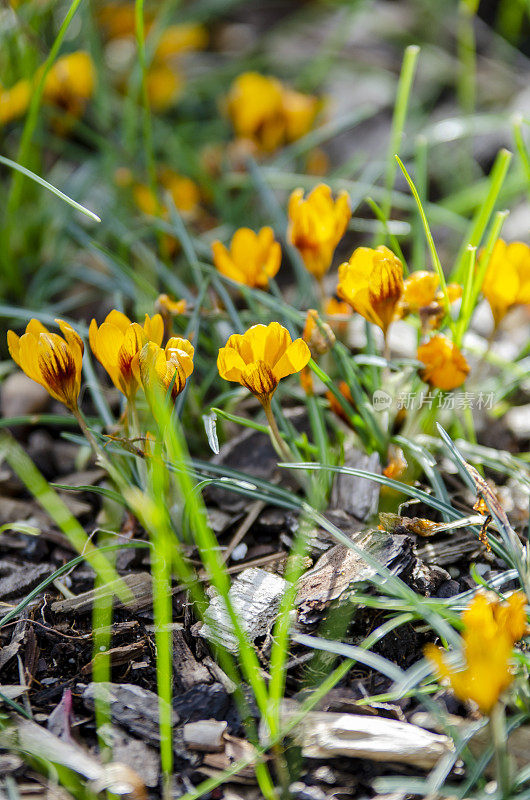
[[134, 708], [205, 735], [188, 671], [340, 569], [12, 691], [217, 673], [323, 734], [255, 597], [357, 496], [139, 583], [117, 655], [60, 720], [235, 750], [17, 581], [33, 740], [133, 752], [450, 550], [203, 701]]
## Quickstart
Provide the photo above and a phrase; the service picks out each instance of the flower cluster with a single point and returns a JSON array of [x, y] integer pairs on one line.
[[491, 629], [133, 356], [267, 113], [130, 353]]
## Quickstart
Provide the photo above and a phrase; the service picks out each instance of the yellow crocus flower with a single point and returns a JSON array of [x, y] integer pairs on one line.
[[169, 367], [49, 359], [445, 366], [261, 357], [268, 113], [491, 629], [252, 259], [117, 342], [316, 226], [507, 279], [372, 283]]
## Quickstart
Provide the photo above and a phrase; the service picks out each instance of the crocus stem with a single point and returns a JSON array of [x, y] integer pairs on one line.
[[276, 439], [499, 739], [101, 456], [134, 433]]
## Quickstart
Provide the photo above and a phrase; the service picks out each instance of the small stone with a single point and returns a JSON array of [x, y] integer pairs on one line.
[[239, 552], [19, 396]]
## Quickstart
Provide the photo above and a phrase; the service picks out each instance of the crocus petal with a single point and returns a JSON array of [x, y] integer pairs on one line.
[[293, 360]]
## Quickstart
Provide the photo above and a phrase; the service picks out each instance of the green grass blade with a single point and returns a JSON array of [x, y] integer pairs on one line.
[[406, 78], [482, 217], [53, 189]]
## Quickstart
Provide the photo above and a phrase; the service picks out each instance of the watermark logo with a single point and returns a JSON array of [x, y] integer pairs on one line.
[[381, 400], [413, 401]]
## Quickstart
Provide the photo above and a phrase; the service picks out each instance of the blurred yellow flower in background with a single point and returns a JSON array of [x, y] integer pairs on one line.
[[177, 39], [168, 367], [299, 111], [254, 106], [49, 359], [163, 87], [491, 630], [252, 259], [338, 313], [69, 85], [70, 82], [419, 289], [507, 279], [445, 366], [372, 283], [267, 113], [261, 357], [184, 192], [164, 303], [117, 342], [319, 338], [14, 102], [316, 226]]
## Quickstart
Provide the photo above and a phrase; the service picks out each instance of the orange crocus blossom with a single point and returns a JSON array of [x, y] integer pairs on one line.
[[70, 82], [420, 290], [372, 283], [316, 226], [117, 342], [445, 366], [49, 359], [252, 259], [267, 113], [261, 357], [168, 367], [507, 279], [491, 630]]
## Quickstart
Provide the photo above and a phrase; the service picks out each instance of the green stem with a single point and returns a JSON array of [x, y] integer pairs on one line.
[[499, 740], [276, 438]]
